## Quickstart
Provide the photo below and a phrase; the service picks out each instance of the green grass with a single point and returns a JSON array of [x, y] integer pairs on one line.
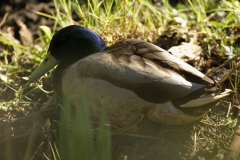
[[79, 136], [114, 20]]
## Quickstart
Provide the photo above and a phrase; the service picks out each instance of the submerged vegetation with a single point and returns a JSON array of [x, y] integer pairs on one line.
[[212, 25]]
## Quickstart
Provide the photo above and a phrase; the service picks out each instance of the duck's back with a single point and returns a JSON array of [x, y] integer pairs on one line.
[[122, 65]]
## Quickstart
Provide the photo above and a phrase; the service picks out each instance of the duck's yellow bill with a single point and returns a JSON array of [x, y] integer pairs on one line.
[[47, 64]]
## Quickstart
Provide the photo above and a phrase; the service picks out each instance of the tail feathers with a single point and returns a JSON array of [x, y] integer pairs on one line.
[[206, 99]]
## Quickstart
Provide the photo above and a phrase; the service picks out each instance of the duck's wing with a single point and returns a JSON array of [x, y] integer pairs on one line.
[[149, 71]]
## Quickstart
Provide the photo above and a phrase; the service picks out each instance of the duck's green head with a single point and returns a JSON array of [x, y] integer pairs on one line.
[[67, 46]]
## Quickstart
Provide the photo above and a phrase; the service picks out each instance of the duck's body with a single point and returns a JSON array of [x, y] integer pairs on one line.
[[131, 77], [122, 104]]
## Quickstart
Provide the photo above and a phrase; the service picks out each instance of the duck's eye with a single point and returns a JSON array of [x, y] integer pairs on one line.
[[62, 40]]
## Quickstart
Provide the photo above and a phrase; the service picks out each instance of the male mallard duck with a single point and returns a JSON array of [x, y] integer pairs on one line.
[[131, 77]]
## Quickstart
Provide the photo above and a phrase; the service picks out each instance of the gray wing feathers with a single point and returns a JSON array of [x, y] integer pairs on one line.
[[156, 52], [139, 73]]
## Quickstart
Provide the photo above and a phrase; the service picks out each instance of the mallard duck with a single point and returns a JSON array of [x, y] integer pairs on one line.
[[132, 77]]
